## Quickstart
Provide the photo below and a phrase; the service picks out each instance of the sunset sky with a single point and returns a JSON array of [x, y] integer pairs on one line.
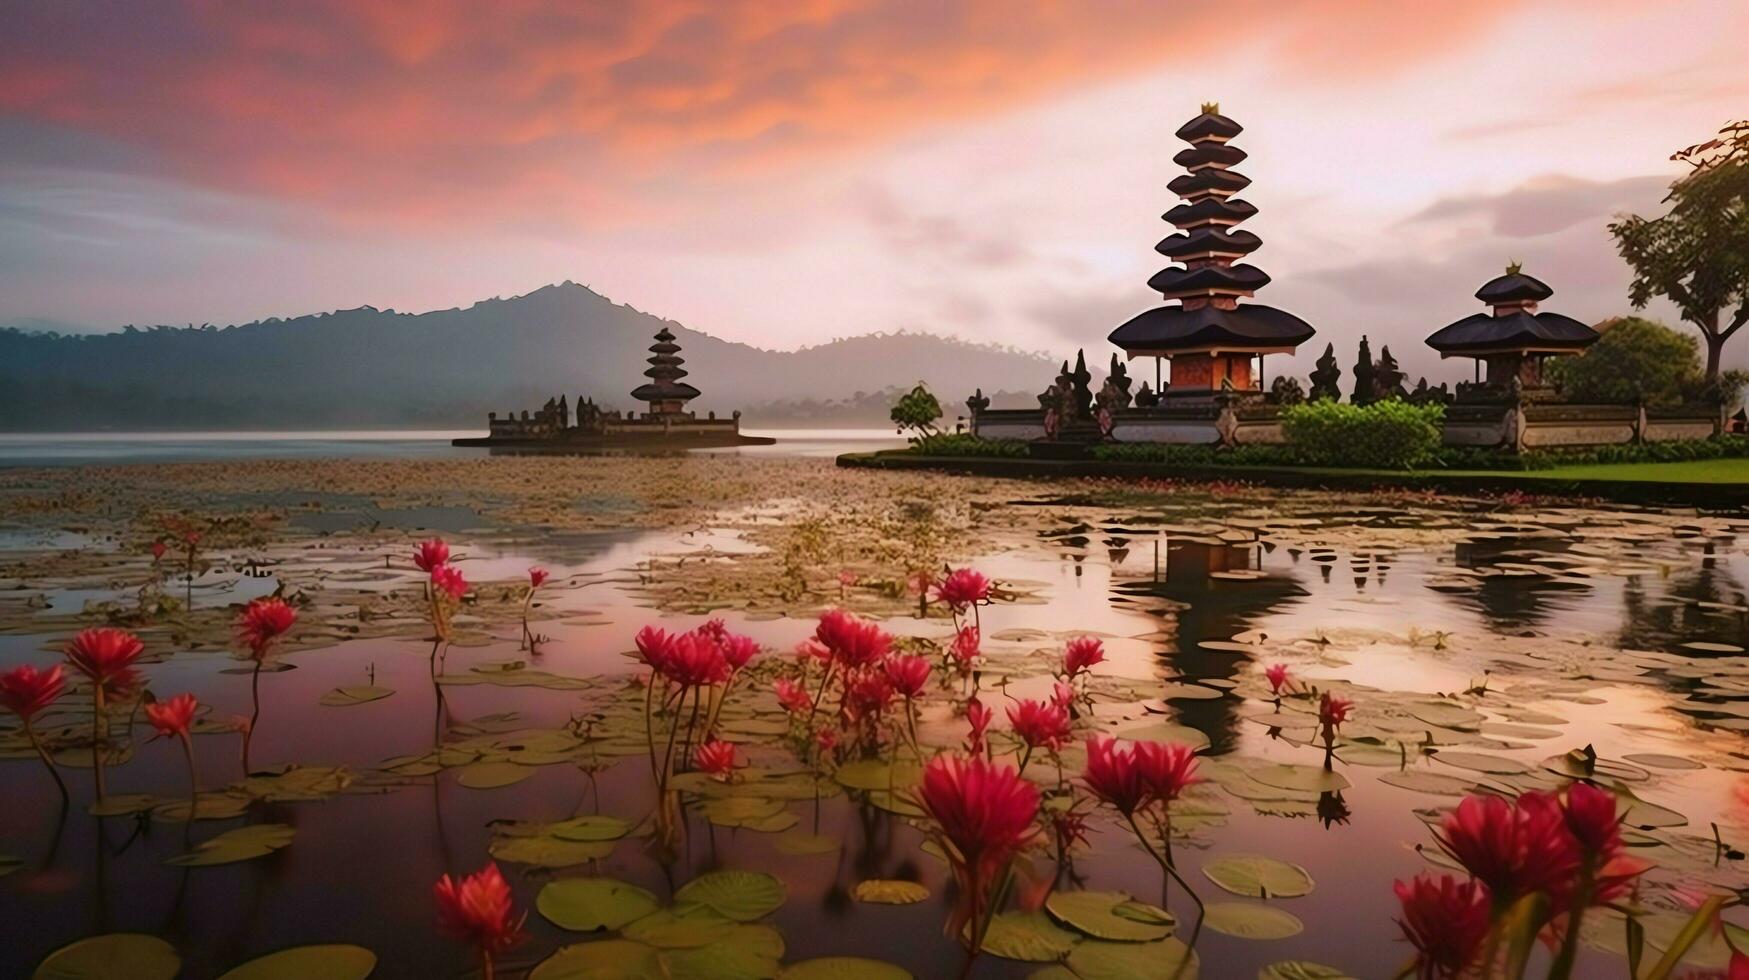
[[787, 173]]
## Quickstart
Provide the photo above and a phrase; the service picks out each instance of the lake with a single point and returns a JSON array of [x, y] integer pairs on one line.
[[1480, 641]]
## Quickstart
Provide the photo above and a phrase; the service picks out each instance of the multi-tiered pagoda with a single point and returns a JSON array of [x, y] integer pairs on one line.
[[666, 426], [1206, 333], [665, 392], [1513, 339]]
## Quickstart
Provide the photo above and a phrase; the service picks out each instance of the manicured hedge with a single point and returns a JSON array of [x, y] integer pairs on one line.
[[965, 444], [1385, 435]]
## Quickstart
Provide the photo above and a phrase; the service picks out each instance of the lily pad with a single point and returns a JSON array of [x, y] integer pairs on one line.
[[548, 852], [587, 904], [686, 927], [117, 954], [590, 828], [241, 844], [841, 968], [1258, 877], [881, 891], [493, 775], [750, 952], [739, 895], [1306, 779], [9, 864], [878, 774], [333, 962], [620, 959], [1301, 970], [1163, 960], [1252, 921], [1030, 937], [1421, 781], [1096, 914]]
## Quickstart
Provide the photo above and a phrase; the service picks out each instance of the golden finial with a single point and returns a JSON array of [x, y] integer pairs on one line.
[[1514, 267], [1211, 108]]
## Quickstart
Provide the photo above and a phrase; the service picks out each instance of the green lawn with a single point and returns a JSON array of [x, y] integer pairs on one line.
[[1693, 471]]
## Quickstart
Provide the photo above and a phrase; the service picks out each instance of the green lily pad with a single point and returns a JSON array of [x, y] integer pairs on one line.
[[123, 804], [590, 828], [1030, 937], [619, 959], [117, 954], [881, 891], [1258, 877], [680, 928], [1252, 921], [1096, 914], [587, 904], [1482, 762], [750, 952], [878, 774], [9, 864], [1301, 970], [799, 844], [548, 852], [1305, 779], [241, 844], [1163, 960], [334, 962], [1658, 760], [344, 697], [842, 968], [1436, 783], [740, 895], [492, 775]]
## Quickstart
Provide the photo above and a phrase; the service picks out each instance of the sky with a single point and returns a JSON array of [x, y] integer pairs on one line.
[[787, 173]]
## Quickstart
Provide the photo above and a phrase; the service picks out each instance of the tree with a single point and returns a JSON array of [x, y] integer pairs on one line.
[[1363, 384], [1697, 255], [1634, 358], [918, 411]]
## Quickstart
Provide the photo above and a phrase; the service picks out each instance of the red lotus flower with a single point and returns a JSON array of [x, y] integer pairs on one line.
[[826, 739], [984, 810], [812, 649], [962, 588], [1332, 712], [478, 910], [537, 576], [173, 717], [792, 696], [1069, 827], [908, 675], [1592, 819], [854, 642], [158, 549], [713, 629], [1136, 775], [1062, 695], [105, 655], [1513, 848], [25, 691], [737, 649], [1446, 920], [868, 696], [1040, 724], [450, 581], [263, 621], [431, 554], [965, 647], [654, 646], [693, 661], [1277, 675], [1081, 654], [978, 717], [715, 758]]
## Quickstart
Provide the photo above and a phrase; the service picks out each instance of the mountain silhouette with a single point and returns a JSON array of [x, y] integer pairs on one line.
[[370, 367]]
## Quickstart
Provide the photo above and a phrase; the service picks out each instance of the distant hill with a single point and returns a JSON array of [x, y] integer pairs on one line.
[[447, 368]]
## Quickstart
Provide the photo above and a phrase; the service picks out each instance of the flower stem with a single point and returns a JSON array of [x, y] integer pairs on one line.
[[193, 784], [43, 754], [99, 735], [255, 712]]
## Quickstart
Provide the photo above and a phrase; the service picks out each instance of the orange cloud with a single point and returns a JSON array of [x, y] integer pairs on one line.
[[555, 110]]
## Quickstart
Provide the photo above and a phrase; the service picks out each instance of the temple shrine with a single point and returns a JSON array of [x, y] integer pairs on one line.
[[665, 425], [1514, 339]]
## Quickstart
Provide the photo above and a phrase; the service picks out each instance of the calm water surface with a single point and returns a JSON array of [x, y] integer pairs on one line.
[[362, 864]]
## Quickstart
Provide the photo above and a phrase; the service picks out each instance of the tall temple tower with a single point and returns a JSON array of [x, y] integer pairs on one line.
[[1209, 337], [1513, 338], [665, 392]]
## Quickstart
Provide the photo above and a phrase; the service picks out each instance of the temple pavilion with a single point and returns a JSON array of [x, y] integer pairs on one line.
[[1207, 335], [665, 392], [1514, 338]]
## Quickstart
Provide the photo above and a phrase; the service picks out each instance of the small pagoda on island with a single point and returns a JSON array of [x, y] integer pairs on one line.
[[666, 425], [1513, 339], [1208, 335]]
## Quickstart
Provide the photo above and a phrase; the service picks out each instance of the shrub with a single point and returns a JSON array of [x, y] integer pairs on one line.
[[917, 411], [966, 444], [1193, 455], [1389, 434]]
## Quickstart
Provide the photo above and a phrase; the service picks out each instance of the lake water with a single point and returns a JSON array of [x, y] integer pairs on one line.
[[72, 448], [1479, 644]]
